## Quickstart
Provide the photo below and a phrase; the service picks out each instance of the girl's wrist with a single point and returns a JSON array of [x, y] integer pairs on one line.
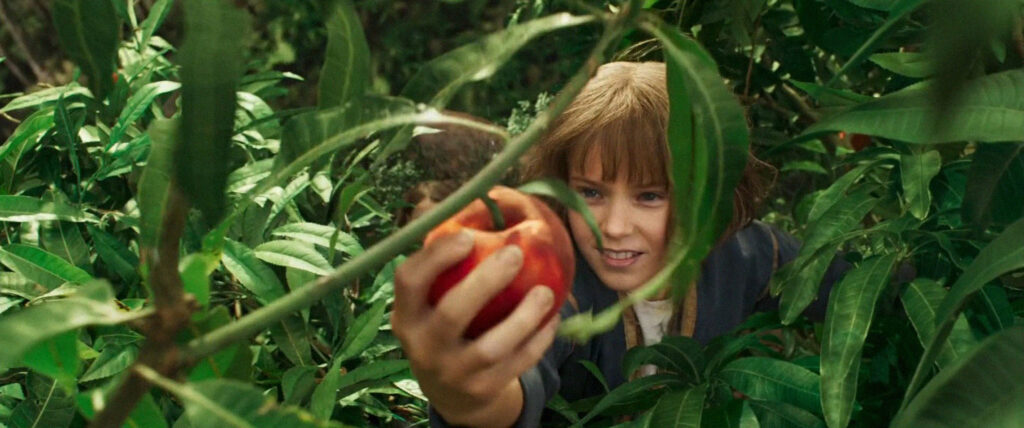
[[501, 411]]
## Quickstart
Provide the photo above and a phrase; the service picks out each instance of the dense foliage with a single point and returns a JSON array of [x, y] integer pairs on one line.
[[189, 240]]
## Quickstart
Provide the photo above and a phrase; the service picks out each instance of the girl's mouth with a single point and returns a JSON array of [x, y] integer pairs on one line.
[[619, 258]]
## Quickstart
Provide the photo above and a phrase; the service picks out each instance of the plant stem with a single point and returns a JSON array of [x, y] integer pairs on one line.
[[393, 245], [173, 310]]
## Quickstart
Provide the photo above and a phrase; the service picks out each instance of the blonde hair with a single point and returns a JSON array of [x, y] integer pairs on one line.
[[622, 115]]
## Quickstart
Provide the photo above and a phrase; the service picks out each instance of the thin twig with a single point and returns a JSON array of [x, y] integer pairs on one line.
[[15, 70], [40, 74]]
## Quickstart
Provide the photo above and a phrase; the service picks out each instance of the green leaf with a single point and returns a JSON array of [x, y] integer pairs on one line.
[[292, 338], [982, 390], [156, 181], [363, 330], [830, 96], [899, 10], [89, 32], [346, 71], [26, 208], [318, 234], [113, 360], [910, 64], [91, 304], [41, 266], [798, 281], [195, 272], [783, 415], [325, 397], [147, 414], [882, 5], [917, 171], [48, 405], [679, 354], [227, 403], [763, 378], [156, 16], [306, 131], [65, 240], [115, 255], [45, 96], [920, 300], [990, 109], [231, 362], [806, 166], [991, 163], [562, 193], [680, 409], [16, 284], [297, 383], [437, 82], [1002, 255], [850, 311], [137, 105], [837, 190], [251, 272], [56, 357], [628, 391], [212, 62], [294, 255]]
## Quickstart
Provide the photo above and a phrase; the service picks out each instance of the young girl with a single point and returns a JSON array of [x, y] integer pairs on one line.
[[610, 145]]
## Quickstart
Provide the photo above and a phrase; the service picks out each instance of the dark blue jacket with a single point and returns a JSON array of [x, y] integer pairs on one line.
[[731, 287]]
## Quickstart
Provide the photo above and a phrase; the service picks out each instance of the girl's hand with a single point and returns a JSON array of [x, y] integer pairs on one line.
[[469, 382]]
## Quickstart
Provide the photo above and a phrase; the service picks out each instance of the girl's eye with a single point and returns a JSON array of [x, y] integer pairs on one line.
[[588, 193], [651, 196]]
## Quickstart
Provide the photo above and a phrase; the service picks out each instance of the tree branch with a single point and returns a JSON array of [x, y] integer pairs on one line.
[[393, 245], [172, 315]]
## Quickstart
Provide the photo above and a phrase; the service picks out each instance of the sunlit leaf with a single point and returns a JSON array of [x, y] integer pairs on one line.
[[91, 305], [991, 109], [26, 208], [294, 255], [41, 266]]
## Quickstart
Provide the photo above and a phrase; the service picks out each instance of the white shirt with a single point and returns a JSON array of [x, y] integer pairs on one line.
[[653, 316]]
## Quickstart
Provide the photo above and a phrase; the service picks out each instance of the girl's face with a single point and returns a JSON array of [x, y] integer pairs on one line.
[[633, 220]]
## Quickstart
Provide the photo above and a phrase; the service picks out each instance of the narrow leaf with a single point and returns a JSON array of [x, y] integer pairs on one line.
[[294, 255], [25, 208], [346, 70], [137, 105], [680, 409], [763, 378], [251, 272], [982, 391], [990, 109], [211, 64], [920, 300], [917, 172], [851, 309], [41, 266], [89, 32]]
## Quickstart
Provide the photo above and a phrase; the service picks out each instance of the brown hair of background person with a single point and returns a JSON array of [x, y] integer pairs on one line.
[[449, 156], [632, 138]]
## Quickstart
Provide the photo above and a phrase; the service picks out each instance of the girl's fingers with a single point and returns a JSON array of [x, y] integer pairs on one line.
[[529, 353], [460, 304], [414, 276], [503, 339]]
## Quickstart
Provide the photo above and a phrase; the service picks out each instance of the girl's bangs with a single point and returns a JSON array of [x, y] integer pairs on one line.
[[629, 146]]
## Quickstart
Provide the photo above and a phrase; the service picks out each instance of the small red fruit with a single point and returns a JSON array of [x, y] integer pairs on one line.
[[548, 258]]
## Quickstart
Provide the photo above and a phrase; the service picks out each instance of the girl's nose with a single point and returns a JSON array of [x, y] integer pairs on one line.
[[617, 220]]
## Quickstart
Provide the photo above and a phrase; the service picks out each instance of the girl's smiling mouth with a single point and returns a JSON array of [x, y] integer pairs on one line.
[[619, 258]]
